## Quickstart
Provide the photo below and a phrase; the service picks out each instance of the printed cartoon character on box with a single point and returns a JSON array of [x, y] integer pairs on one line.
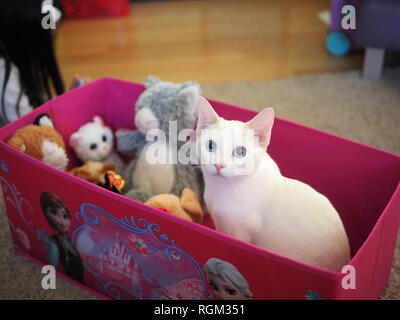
[[61, 248], [226, 282]]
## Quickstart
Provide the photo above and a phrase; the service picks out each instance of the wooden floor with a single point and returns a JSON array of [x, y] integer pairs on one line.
[[206, 41]]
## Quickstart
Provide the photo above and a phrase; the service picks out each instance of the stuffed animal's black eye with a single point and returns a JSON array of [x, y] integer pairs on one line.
[[104, 138], [93, 146], [211, 146], [239, 152]]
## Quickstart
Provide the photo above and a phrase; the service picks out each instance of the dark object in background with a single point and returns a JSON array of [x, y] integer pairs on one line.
[[378, 29], [95, 8], [30, 48]]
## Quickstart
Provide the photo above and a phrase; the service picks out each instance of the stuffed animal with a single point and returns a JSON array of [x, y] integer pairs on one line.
[[112, 182], [102, 174], [93, 171], [41, 141], [94, 142], [187, 207], [161, 103]]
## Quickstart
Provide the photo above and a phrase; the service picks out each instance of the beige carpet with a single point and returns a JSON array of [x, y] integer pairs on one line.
[[344, 104]]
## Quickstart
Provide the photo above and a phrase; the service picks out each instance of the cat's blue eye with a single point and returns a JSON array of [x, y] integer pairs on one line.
[[239, 152], [93, 146], [211, 146]]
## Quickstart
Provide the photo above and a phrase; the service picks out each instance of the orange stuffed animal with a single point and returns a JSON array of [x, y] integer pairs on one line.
[[41, 141], [187, 207], [93, 171]]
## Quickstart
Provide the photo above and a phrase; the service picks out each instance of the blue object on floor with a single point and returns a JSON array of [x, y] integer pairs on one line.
[[338, 43], [80, 83]]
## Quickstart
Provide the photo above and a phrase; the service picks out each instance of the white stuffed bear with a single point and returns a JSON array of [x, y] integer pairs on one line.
[[94, 142]]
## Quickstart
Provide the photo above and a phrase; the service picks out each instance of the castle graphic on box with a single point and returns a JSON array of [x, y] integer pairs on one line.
[[117, 263]]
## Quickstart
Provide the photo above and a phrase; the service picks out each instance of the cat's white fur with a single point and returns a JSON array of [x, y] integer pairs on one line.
[[249, 199]]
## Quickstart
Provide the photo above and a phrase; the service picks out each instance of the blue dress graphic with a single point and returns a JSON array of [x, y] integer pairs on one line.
[[72, 265]]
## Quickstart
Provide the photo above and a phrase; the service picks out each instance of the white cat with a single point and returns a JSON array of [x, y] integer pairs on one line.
[[249, 199], [94, 142]]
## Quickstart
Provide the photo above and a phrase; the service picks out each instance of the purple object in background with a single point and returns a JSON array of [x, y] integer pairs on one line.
[[378, 30], [379, 24]]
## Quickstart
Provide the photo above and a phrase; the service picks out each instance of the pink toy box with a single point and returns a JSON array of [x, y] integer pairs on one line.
[[131, 251]]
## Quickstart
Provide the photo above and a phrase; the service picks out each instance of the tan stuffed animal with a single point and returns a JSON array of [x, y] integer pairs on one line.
[[93, 171], [187, 207], [41, 141]]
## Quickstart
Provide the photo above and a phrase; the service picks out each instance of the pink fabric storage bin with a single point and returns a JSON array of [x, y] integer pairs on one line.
[[131, 251]]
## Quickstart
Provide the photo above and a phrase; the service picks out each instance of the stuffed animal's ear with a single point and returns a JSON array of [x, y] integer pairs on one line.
[[262, 125], [74, 140], [191, 204], [206, 115], [151, 81], [43, 120], [99, 120], [191, 94]]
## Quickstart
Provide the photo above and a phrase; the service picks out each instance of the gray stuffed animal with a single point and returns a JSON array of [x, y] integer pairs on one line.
[[159, 104]]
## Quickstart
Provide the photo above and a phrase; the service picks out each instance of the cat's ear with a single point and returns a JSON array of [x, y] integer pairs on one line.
[[74, 139], [206, 115], [262, 125]]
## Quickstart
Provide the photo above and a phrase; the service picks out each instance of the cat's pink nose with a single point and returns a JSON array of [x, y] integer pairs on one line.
[[219, 167]]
